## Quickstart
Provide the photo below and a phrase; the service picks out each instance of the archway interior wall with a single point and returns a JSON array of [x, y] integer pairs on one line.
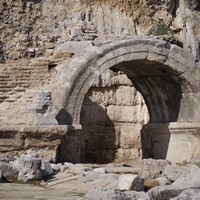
[[113, 113]]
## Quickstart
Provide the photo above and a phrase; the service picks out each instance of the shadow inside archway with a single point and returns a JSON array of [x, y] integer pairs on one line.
[[161, 88], [98, 138], [155, 139]]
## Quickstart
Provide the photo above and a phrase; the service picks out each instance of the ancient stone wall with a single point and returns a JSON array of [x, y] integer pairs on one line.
[[34, 28], [42, 25], [16, 78], [113, 114], [44, 141]]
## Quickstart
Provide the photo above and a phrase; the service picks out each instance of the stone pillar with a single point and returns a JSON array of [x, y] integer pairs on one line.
[[178, 142]]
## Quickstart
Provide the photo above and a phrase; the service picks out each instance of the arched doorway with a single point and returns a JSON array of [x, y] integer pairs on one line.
[[112, 115], [157, 69]]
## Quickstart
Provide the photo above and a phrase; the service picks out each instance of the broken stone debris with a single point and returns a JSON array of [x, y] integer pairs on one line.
[[98, 183]]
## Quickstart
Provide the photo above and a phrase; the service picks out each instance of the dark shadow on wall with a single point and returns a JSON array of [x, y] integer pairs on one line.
[[155, 138], [95, 143], [98, 138], [160, 86], [63, 117]]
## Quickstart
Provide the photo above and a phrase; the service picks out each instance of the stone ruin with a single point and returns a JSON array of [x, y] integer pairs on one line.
[[92, 84], [113, 85]]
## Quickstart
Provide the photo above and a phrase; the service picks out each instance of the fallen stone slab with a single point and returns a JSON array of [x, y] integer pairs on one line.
[[164, 192], [173, 172], [130, 182], [188, 180], [151, 168]]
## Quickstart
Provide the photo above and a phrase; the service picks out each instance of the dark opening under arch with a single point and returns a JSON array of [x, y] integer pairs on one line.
[[156, 69]]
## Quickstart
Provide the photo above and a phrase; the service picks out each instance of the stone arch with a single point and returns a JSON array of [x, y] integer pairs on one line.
[[157, 69]]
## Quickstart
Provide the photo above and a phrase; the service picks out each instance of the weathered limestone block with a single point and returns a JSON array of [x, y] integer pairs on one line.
[[127, 96], [130, 182], [109, 79], [164, 192], [189, 179], [129, 154], [173, 172], [29, 169], [150, 168], [100, 170], [130, 136], [104, 96], [6, 170], [46, 168], [122, 113], [188, 194]]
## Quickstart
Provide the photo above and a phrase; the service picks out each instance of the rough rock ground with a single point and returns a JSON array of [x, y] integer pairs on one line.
[[97, 182]]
